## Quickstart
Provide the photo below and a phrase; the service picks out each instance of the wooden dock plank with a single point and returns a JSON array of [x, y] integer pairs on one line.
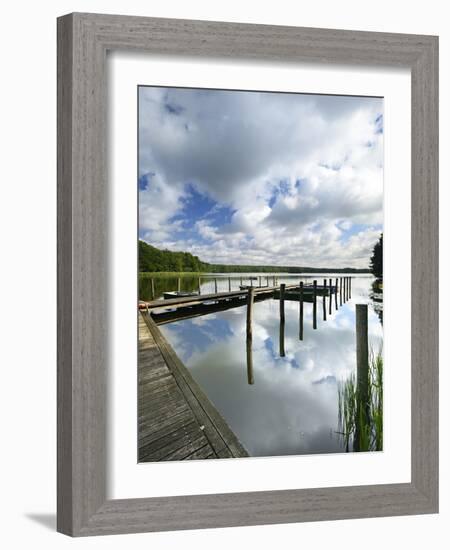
[[151, 432], [203, 452], [186, 452], [176, 420], [172, 441], [216, 429]]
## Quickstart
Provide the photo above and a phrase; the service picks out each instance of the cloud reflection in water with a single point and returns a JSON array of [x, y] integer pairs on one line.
[[292, 406]]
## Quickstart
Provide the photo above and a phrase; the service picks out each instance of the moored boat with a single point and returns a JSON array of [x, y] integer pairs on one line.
[[178, 294]]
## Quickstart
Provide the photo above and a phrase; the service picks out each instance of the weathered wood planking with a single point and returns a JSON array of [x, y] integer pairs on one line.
[[176, 420]]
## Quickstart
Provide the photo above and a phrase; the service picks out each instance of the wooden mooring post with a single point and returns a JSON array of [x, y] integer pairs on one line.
[[324, 301], [152, 282], [330, 303], [179, 284], [259, 280], [336, 295], [215, 286], [199, 286], [314, 304], [282, 319], [340, 291], [350, 288], [282, 292], [229, 284], [240, 281], [249, 339], [362, 368], [300, 313]]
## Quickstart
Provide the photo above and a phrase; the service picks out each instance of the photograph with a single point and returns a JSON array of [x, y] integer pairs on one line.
[[260, 274]]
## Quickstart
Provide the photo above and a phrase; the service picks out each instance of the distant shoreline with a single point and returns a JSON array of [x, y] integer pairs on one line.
[[306, 271], [153, 260]]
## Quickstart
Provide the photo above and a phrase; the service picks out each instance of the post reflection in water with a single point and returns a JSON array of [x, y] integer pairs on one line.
[[282, 326], [249, 339], [277, 401], [282, 319]]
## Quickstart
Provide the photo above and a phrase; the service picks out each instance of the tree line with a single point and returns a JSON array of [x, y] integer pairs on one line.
[[152, 259]]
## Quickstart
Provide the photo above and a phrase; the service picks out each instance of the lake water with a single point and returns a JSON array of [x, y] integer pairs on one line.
[[292, 407]]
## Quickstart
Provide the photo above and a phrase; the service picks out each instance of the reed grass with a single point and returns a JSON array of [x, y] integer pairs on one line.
[[361, 424]]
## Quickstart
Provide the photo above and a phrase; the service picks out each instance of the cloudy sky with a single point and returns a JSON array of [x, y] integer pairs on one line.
[[261, 178]]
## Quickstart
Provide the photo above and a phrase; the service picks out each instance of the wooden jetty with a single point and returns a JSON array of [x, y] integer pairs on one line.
[[163, 316], [246, 287], [214, 298], [194, 305], [293, 294], [176, 419]]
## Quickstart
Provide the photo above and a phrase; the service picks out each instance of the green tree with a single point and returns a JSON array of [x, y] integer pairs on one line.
[[376, 260]]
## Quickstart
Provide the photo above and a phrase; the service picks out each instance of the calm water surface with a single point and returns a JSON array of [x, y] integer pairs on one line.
[[292, 407]]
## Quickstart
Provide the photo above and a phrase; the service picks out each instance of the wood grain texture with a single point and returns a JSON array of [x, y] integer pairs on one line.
[[189, 422], [83, 40], [64, 251]]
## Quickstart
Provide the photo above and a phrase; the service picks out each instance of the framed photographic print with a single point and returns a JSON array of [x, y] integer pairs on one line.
[[246, 334]]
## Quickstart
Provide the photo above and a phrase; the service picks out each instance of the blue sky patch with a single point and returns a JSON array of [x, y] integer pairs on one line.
[[281, 190], [144, 181], [356, 228], [197, 206]]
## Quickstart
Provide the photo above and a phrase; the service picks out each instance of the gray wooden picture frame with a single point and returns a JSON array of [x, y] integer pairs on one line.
[[83, 41]]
